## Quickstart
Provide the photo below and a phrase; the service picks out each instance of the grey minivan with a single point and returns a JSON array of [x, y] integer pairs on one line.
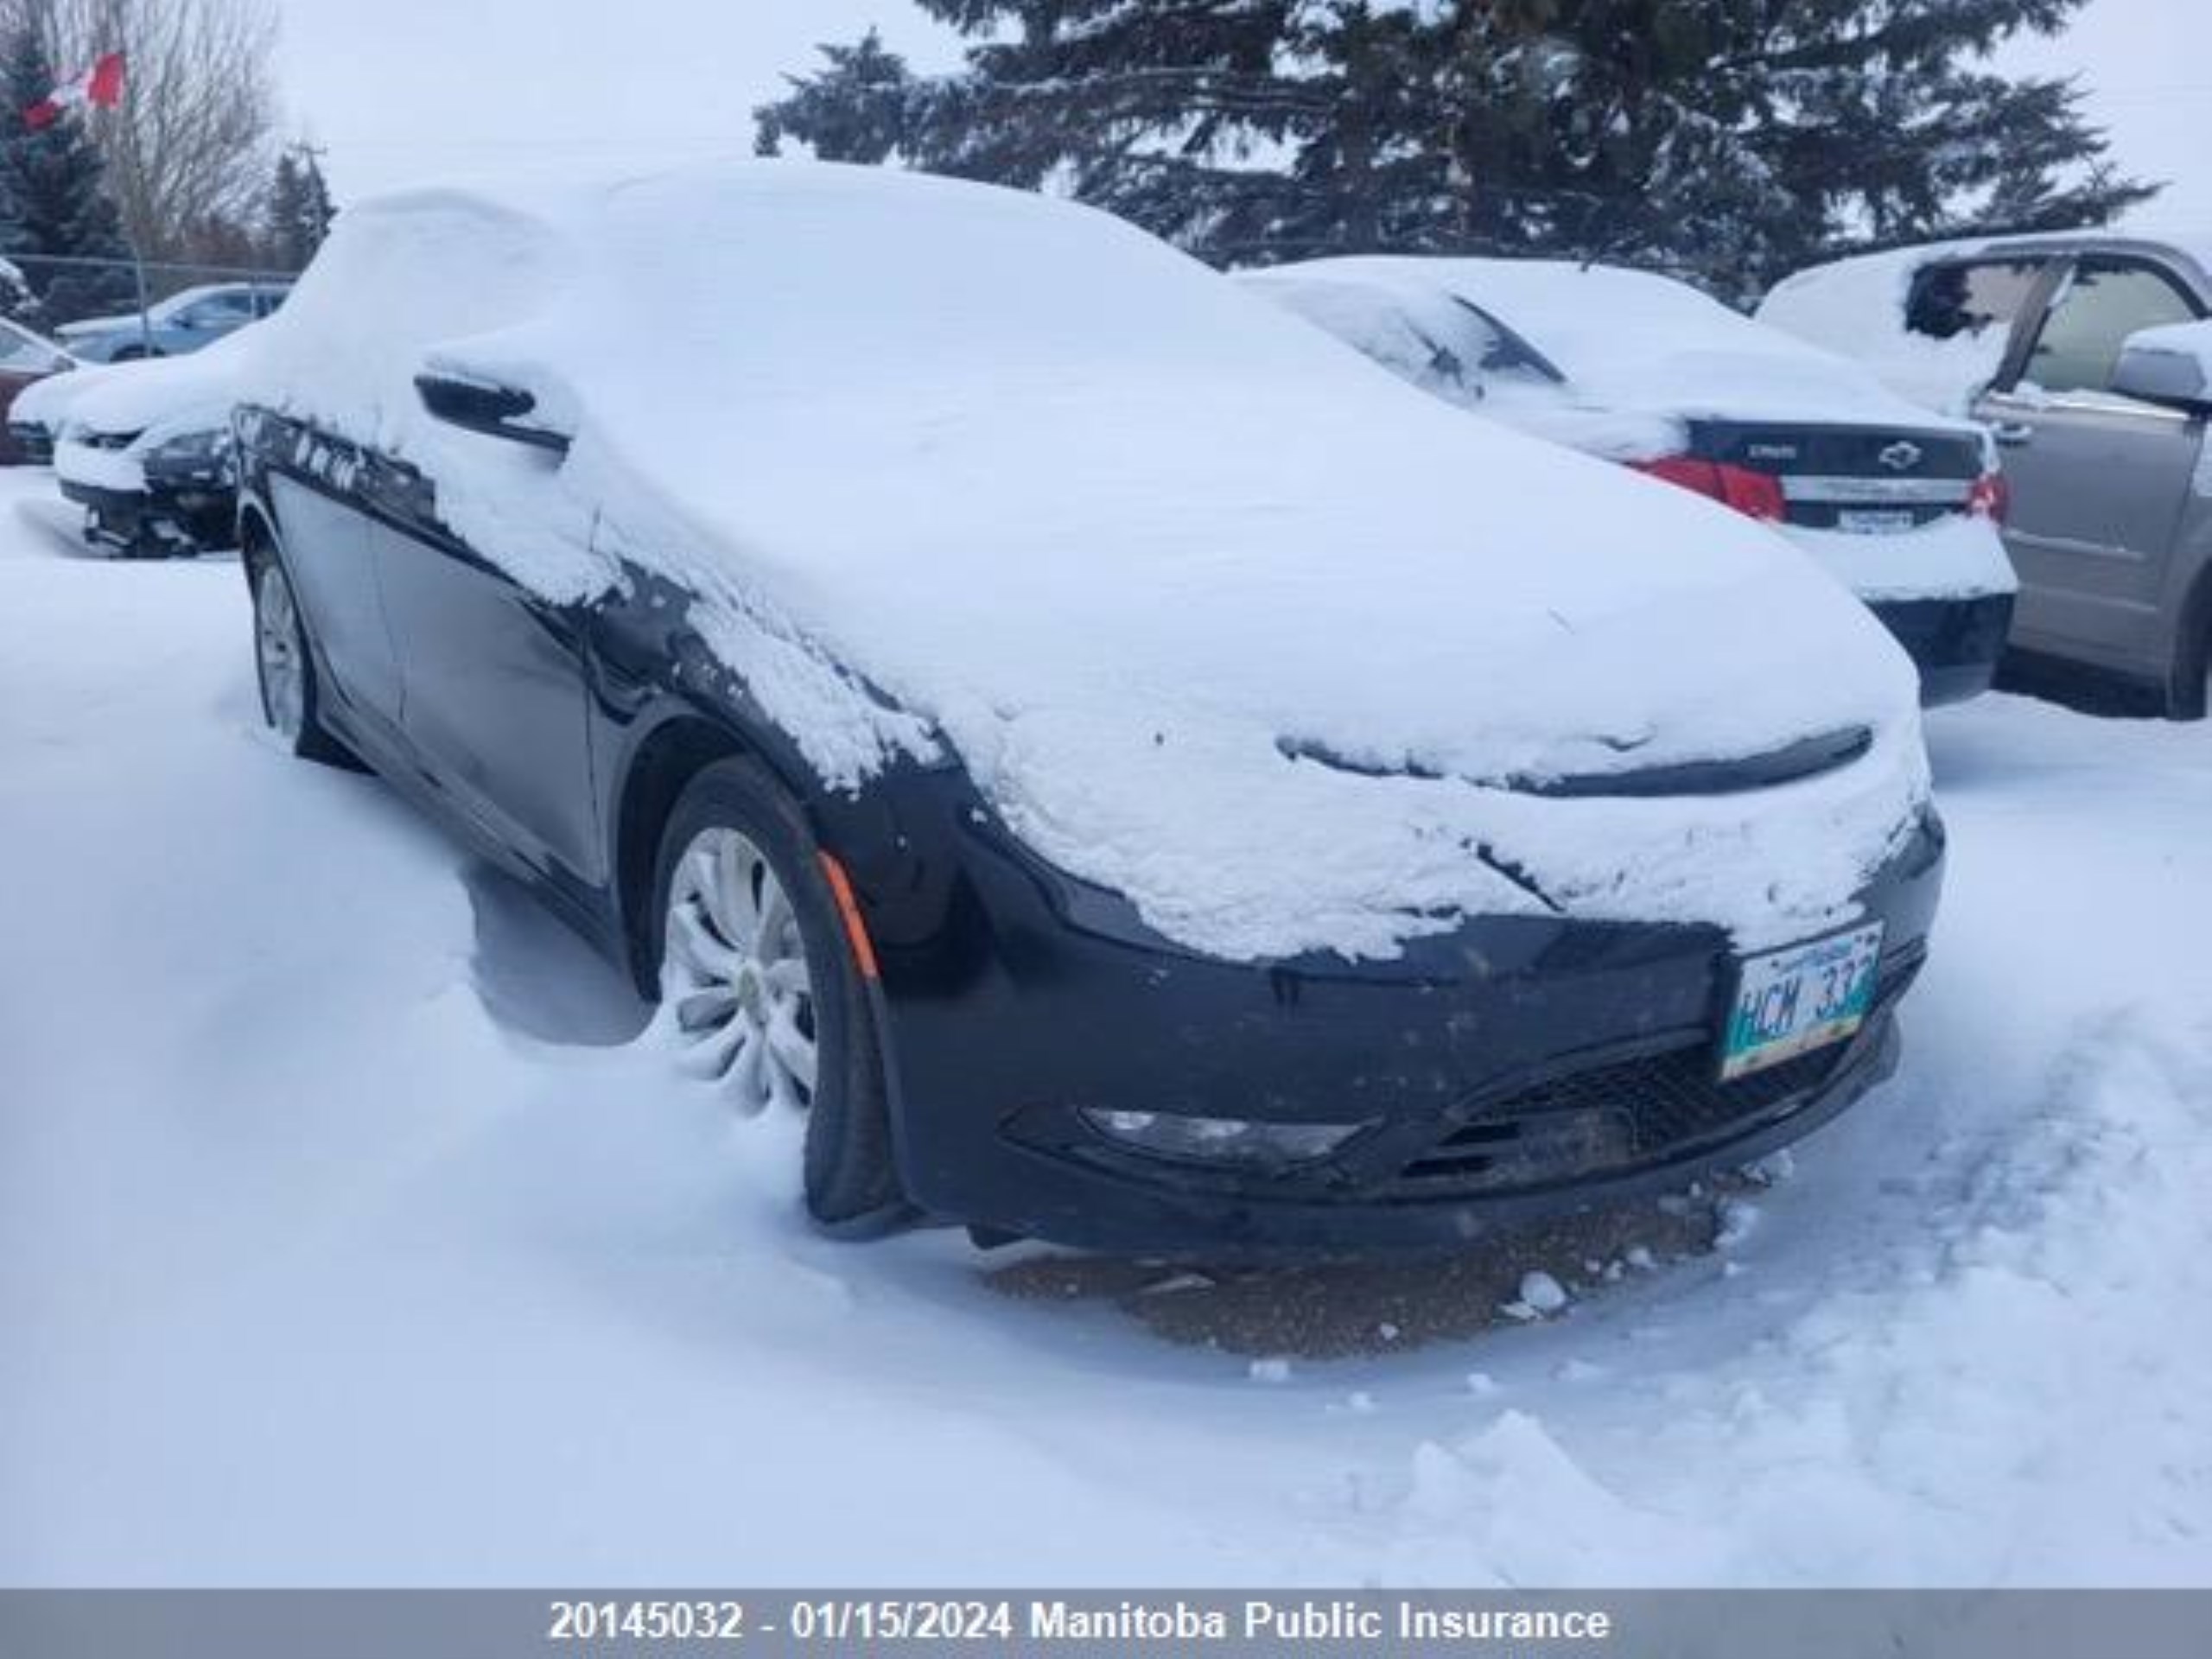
[[2088, 359]]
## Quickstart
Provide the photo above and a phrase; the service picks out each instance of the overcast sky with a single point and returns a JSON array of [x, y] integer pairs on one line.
[[400, 90]]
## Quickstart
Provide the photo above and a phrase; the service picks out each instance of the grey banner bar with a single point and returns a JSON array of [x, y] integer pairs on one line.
[[1649, 1624]]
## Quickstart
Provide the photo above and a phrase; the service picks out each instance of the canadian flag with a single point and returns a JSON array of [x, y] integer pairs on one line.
[[102, 85]]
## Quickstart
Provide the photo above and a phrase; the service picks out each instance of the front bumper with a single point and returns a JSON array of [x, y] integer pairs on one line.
[[1517, 1066], [184, 516], [1955, 643]]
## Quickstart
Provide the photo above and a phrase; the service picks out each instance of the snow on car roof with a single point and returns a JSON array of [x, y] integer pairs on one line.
[[1131, 542], [1637, 353], [1860, 305]]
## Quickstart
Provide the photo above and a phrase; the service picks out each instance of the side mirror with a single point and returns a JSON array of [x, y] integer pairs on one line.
[[2171, 366], [494, 411]]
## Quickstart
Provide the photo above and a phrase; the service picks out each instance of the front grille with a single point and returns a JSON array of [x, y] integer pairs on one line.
[[1616, 1117], [1612, 1118]]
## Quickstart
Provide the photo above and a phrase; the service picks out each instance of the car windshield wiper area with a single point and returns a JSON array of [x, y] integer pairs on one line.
[[1807, 757]]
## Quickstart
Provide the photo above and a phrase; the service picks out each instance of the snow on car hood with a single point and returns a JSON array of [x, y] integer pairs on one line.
[[1171, 573], [175, 394], [44, 403], [1637, 355]]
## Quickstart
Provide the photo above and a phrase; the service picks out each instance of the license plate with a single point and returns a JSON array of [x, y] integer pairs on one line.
[[1788, 1002], [1874, 521]]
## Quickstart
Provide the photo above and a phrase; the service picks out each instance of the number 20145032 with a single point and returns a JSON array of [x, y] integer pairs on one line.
[[647, 1621]]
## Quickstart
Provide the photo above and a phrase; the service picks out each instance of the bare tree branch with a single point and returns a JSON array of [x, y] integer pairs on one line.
[[188, 151]]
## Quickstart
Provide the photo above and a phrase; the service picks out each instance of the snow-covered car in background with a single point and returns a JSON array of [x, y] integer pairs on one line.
[[185, 322], [1898, 504], [2086, 355], [144, 447], [25, 358], [1056, 721]]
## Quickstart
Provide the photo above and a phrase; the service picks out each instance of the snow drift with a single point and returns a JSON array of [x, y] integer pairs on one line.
[[1134, 546]]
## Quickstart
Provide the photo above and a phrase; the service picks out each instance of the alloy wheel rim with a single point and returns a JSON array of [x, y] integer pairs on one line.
[[283, 681], [736, 975]]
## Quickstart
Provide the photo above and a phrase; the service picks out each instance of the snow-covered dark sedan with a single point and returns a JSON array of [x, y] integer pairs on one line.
[[1087, 741], [1899, 504]]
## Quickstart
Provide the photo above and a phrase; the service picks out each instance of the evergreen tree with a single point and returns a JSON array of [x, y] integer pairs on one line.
[[1738, 139], [52, 199], [298, 213], [1728, 139], [857, 111]]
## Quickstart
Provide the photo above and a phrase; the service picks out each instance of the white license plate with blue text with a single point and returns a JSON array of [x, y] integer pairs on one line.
[[1791, 1002]]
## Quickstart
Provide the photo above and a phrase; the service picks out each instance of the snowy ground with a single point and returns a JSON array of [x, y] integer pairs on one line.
[[344, 1237]]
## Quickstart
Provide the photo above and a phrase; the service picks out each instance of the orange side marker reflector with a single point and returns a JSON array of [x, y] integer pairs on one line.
[[841, 888]]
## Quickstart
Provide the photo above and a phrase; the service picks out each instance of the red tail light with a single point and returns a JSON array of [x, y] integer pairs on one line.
[[1758, 494], [1992, 498]]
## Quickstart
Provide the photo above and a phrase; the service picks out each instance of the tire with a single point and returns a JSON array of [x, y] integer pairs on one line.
[[284, 669], [760, 989]]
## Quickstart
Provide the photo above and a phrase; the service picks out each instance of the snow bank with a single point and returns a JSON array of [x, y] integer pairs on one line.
[[1123, 538]]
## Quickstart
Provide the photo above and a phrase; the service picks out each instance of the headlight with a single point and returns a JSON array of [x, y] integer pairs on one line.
[[192, 449]]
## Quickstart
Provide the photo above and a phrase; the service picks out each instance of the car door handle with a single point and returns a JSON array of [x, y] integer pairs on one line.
[[2013, 434]]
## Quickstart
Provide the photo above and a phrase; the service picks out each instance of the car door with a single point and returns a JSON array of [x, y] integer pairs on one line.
[[311, 481], [495, 681], [2099, 482]]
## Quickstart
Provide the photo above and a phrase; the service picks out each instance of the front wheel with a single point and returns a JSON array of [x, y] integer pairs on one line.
[[291, 698], [762, 989]]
